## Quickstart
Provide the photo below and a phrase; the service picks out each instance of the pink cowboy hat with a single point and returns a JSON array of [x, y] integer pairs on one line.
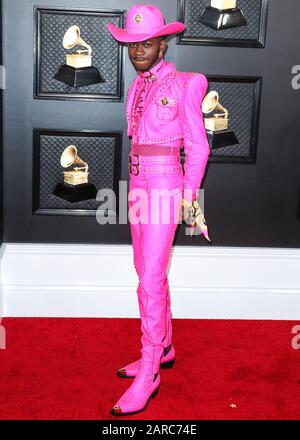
[[142, 23]]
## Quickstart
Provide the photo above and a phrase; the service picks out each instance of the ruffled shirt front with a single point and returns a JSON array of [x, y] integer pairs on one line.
[[145, 82]]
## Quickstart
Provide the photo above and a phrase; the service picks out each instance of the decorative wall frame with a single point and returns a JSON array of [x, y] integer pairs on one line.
[[298, 209], [49, 53], [196, 33], [241, 97], [101, 150]]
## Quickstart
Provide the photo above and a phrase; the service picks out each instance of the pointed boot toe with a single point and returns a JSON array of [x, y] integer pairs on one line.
[[122, 373], [116, 410], [137, 396], [167, 361], [129, 370]]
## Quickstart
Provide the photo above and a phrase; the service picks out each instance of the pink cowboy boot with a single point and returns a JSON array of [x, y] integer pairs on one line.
[[168, 357], [144, 386], [152, 304]]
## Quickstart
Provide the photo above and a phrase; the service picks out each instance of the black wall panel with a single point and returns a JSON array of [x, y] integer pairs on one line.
[[251, 190], [251, 35], [51, 23]]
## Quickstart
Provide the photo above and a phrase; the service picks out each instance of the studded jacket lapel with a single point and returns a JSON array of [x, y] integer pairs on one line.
[[159, 85]]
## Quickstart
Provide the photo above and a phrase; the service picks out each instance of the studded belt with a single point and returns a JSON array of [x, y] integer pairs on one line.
[[154, 159], [139, 164], [155, 150]]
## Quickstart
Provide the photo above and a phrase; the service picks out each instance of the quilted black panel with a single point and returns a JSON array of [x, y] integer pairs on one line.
[[241, 101], [51, 27], [101, 154], [252, 10]]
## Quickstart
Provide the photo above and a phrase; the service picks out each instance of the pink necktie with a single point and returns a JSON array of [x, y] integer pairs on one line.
[[145, 74], [140, 97]]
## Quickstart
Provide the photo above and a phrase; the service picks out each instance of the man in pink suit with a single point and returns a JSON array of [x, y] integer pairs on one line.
[[163, 110]]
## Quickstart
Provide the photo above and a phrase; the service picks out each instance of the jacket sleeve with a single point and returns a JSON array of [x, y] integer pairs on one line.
[[196, 146]]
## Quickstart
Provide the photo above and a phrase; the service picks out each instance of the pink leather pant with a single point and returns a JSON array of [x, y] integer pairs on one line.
[[153, 226]]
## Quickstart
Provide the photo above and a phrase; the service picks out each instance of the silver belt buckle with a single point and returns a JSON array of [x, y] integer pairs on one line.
[[134, 164]]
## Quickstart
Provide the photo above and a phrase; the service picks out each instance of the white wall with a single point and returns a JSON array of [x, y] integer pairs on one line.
[[73, 280]]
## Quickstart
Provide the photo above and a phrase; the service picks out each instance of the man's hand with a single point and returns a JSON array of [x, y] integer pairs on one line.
[[193, 216], [188, 212]]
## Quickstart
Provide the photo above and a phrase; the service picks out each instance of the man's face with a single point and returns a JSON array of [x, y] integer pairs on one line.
[[144, 54]]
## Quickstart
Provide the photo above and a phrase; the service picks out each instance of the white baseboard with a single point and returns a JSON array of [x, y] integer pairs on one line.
[[78, 280]]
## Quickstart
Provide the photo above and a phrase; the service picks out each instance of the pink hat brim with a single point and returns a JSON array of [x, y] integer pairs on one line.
[[123, 36]]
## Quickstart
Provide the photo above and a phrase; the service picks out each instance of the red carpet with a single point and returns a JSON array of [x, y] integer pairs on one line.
[[64, 368]]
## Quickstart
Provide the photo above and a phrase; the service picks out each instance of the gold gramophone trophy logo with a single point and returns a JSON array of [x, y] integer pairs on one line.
[[78, 70], [75, 186], [216, 122], [222, 14]]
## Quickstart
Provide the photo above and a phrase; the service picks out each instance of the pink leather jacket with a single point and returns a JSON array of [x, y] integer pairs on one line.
[[178, 122]]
